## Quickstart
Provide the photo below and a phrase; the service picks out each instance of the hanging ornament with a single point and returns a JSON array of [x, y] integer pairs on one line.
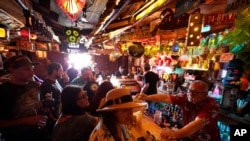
[[175, 47], [72, 8], [73, 35], [136, 49]]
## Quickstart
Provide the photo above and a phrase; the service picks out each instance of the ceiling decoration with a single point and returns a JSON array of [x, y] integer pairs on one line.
[[11, 24], [72, 8], [101, 20], [171, 22]]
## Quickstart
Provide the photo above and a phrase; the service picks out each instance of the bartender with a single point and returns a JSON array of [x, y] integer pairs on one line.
[[121, 72], [200, 113]]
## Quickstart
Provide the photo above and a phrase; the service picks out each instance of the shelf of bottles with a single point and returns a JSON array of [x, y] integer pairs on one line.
[[224, 131], [167, 115]]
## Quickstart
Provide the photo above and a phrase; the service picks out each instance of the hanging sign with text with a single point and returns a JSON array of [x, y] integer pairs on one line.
[[219, 18], [233, 5]]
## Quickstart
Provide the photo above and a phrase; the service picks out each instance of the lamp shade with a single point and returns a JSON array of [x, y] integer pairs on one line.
[[72, 8], [4, 32]]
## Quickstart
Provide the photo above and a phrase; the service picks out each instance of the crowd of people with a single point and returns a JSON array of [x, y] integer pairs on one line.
[[48, 110], [83, 109]]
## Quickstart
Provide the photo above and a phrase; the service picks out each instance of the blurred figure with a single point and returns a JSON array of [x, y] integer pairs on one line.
[[74, 124], [116, 116], [200, 113], [99, 98], [51, 86], [72, 72], [64, 80], [37, 79], [132, 72], [20, 108], [243, 98], [97, 72], [150, 83], [86, 76], [121, 72], [91, 87]]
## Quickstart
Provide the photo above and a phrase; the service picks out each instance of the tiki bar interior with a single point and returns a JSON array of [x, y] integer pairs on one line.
[[182, 40]]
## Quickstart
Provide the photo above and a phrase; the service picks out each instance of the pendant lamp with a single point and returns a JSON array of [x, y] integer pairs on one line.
[[72, 8]]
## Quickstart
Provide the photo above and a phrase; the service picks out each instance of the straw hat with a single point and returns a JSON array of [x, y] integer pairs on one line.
[[119, 98]]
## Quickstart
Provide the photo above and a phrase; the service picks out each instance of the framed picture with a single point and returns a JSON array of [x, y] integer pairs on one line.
[[1, 62]]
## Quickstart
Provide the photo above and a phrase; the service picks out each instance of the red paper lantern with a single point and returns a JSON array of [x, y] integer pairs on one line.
[[72, 8], [24, 32]]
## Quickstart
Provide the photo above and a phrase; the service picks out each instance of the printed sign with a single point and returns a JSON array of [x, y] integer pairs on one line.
[[219, 18], [233, 5]]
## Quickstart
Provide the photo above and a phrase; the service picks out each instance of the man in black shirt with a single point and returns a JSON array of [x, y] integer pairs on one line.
[[151, 81]]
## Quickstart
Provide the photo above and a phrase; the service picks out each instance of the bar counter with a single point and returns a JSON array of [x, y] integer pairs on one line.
[[148, 129], [229, 118]]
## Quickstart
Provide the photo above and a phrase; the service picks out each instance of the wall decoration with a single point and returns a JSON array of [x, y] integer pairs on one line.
[[194, 29]]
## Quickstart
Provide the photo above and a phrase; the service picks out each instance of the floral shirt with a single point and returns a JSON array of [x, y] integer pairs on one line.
[[208, 111], [101, 133]]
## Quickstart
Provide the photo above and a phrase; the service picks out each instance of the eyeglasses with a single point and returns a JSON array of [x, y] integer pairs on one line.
[[195, 92]]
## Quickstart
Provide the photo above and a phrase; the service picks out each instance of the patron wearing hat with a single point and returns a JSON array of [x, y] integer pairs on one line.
[[20, 110], [116, 115]]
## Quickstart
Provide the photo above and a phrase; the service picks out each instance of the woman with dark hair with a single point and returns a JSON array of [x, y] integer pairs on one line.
[[115, 116], [99, 97], [74, 124]]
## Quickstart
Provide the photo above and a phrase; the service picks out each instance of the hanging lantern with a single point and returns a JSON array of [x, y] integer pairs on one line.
[[72, 8], [24, 33], [136, 49], [114, 55], [175, 47], [4, 32]]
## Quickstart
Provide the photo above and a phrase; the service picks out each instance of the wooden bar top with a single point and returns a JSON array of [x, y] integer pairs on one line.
[[149, 130]]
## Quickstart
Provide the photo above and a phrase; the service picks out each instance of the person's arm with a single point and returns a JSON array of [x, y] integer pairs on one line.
[[38, 120], [144, 88], [158, 84], [185, 131], [155, 97]]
